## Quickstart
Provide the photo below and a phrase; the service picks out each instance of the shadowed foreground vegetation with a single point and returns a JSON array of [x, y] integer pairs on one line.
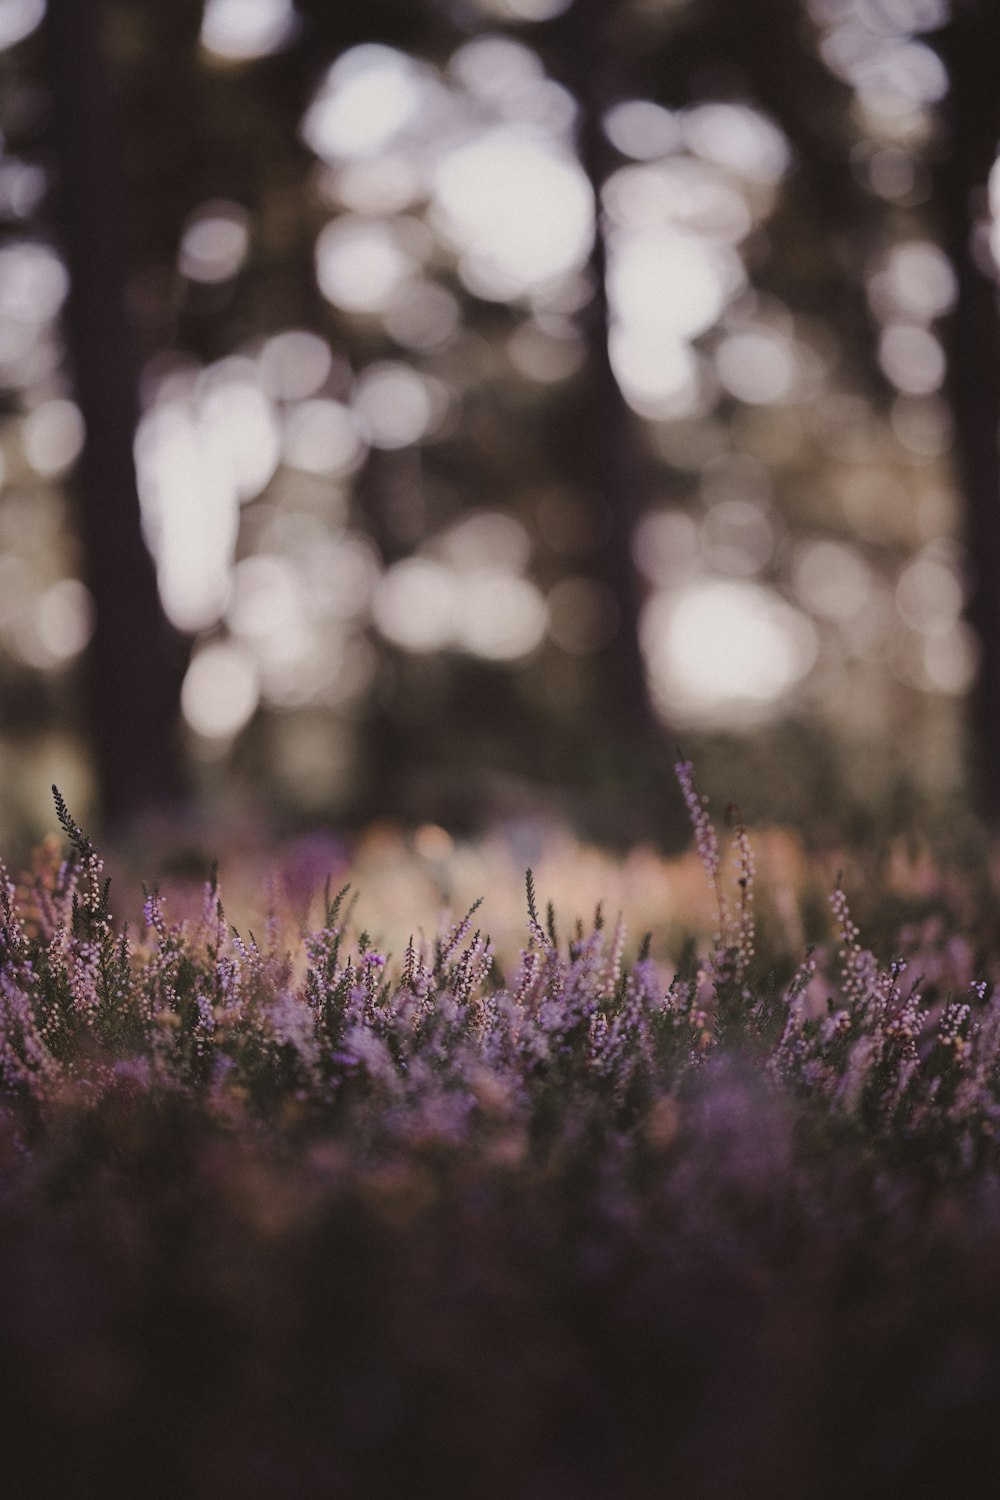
[[280, 1217]]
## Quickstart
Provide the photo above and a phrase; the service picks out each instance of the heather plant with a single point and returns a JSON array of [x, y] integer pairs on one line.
[[330, 1032], [575, 1228]]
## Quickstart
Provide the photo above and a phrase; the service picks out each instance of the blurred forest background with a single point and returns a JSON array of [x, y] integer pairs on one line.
[[440, 408]]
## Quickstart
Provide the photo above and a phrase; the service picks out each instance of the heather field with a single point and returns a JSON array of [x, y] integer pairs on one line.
[[418, 1076], [579, 1213]]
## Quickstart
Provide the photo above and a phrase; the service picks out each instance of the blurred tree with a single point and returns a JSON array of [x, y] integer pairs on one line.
[[970, 46], [135, 663], [580, 51], [580, 468]]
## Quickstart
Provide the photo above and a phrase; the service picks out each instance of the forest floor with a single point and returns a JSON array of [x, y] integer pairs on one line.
[[514, 1202]]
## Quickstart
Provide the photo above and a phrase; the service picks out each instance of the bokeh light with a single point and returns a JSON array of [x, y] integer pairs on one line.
[[508, 80], [215, 242], [923, 424], [738, 138], [831, 579], [202, 449], [665, 546], [397, 405], [786, 517], [220, 691], [368, 97], [498, 616], [238, 426], [65, 619], [721, 651], [423, 316], [53, 436], [757, 365], [33, 282], [951, 660], [265, 597], [524, 10], [339, 575], [322, 437], [737, 538], [916, 283], [362, 265], [912, 358], [414, 604], [18, 19], [486, 539], [22, 187], [55, 626], [295, 364], [516, 207], [672, 280], [189, 517], [658, 375], [241, 30], [929, 595], [641, 129]]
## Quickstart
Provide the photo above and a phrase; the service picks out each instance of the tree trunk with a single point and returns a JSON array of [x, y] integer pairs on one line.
[[970, 47], [135, 663], [605, 454]]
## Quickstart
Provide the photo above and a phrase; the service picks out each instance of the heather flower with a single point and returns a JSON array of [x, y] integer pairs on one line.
[[326, 1152], [706, 841], [746, 924], [201, 1008], [858, 965]]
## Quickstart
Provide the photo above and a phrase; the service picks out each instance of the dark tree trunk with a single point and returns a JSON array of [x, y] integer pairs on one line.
[[605, 450], [970, 47], [135, 662]]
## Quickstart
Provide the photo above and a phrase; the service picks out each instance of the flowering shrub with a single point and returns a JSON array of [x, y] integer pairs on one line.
[[306, 1221]]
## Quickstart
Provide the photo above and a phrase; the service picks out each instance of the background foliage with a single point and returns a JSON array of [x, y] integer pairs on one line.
[[459, 508]]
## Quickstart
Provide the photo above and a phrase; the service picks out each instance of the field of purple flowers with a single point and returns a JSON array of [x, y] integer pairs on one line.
[[283, 1217]]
